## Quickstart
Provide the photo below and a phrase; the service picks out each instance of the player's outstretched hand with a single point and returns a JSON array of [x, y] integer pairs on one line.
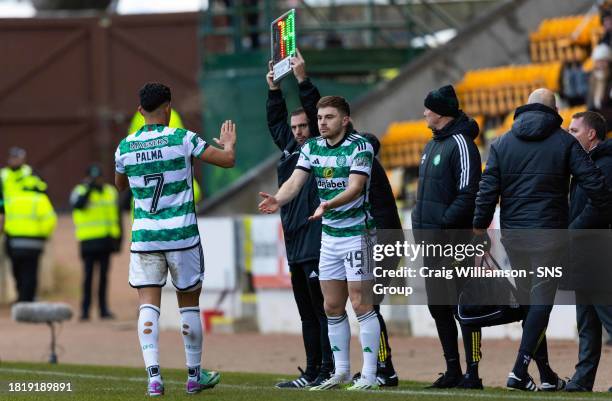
[[299, 66], [227, 135], [270, 78], [319, 212], [269, 204]]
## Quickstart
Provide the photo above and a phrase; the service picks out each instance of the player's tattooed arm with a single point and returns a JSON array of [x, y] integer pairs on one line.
[[288, 191]]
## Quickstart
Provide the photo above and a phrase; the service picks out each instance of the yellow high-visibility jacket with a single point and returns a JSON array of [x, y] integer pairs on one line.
[[29, 212], [99, 218]]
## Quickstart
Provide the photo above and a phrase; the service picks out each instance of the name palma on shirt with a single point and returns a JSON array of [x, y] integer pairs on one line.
[[148, 156]]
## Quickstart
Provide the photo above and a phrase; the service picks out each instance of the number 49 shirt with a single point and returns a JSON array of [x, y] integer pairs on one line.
[[158, 163]]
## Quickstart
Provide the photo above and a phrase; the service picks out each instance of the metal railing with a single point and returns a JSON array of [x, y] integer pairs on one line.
[[237, 20]]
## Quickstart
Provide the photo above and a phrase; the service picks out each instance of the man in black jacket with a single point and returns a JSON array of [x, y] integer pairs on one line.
[[590, 253], [302, 238], [529, 168], [382, 202], [448, 181]]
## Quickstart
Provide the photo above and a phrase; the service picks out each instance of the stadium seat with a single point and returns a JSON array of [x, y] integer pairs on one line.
[[497, 92], [565, 39], [404, 141], [494, 92]]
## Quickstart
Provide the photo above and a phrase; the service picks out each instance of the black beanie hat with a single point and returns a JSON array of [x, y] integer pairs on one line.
[[443, 101]]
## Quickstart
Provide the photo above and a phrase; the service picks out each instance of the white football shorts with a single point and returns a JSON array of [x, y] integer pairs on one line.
[[150, 269], [347, 258]]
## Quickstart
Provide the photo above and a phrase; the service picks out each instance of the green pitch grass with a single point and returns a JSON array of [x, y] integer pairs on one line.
[[119, 383]]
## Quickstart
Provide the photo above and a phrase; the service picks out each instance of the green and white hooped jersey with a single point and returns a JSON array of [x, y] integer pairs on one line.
[[331, 166], [158, 163]]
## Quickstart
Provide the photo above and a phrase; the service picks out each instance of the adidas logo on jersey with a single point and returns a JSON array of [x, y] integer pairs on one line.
[[359, 272], [313, 274], [316, 161]]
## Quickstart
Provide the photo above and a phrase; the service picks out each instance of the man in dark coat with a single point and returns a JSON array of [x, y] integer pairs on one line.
[[529, 168], [302, 238], [448, 181], [590, 253]]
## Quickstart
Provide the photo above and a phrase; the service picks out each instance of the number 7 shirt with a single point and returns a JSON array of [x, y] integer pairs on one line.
[[158, 163]]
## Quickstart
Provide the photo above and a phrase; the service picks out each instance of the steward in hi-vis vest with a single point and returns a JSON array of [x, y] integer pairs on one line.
[[30, 220], [96, 216]]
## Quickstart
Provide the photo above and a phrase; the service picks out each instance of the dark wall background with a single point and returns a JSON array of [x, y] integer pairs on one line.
[[68, 87]]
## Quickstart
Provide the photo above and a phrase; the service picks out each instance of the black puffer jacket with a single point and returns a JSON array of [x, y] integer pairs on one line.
[[448, 177], [590, 251], [530, 168], [302, 238], [582, 213]]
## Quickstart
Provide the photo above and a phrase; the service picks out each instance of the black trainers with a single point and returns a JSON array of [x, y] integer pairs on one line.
[[387, 380], [525, 384], [301, 382], [557, 384], [447, 380], [470, 383], [383, 379]]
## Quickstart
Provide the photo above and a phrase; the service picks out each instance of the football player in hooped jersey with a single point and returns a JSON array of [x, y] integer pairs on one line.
[[341, 163], [156, 164]]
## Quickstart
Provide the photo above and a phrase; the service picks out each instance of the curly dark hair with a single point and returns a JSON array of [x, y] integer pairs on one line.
[[153, 94]]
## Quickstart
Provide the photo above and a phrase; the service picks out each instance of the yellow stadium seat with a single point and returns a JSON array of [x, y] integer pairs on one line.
[[496, 91], [564, 39], [404, 142]]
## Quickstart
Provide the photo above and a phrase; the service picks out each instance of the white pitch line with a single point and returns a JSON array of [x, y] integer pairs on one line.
[[431, 393]]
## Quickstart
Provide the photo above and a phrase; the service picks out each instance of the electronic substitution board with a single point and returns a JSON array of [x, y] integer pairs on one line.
[[283, 44]]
